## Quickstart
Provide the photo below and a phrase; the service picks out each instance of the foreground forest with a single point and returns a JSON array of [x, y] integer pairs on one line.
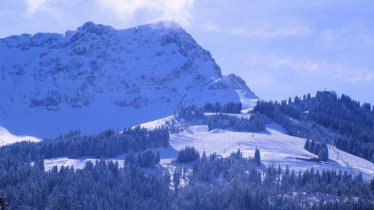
[[191, 181], [214, 183]]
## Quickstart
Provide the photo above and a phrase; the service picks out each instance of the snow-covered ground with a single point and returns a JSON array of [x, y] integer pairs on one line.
[[8, 138], [156, 123], [277, 148], [76, 163]]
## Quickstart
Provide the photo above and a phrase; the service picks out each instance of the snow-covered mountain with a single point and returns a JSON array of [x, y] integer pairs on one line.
[[98, 77]]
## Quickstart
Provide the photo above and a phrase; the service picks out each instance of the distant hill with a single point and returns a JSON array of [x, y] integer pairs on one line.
[[326, 117]]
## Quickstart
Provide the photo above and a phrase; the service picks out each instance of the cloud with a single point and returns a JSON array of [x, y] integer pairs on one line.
[[177, 10], [261, 31], [313, 67], [35, 5], [349, 37]]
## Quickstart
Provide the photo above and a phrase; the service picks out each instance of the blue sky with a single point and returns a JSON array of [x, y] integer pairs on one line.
[[281, 48]]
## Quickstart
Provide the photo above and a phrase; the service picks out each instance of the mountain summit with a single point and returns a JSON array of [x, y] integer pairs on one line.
[[98, 77]]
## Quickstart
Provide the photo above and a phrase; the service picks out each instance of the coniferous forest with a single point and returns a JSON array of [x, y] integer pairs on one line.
[[192, 181], [341, 121], [193, 115], [212, 183]]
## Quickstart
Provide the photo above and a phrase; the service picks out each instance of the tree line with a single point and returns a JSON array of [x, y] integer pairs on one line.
[[327, 118], [106, 144], [213, 182], [193, 115], [232, 107]]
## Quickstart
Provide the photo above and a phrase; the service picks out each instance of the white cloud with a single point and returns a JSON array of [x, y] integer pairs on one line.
[[313, 67], [262, 31], [353, 36], [35, 5], [177, 10]]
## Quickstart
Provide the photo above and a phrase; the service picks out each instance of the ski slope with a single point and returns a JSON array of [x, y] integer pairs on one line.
[[277, 148]]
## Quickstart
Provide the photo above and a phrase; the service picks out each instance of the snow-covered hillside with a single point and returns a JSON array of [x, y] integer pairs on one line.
[[7, 138], [277, 148], [98, 77]]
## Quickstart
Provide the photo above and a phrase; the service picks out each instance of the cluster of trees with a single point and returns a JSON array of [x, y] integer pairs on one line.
[[317, 148], [143, 159], [190, 114], [327, 118], [103, 185], [234, 108], [293, 121], [214, 183], [193, 115], [222, 121], [187, 154], [103, 145], [236, 183]]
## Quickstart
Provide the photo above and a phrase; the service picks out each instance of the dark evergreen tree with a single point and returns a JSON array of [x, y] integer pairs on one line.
[[323, 154], [257, 156], [3, 203], [176, 179], [306, 145]]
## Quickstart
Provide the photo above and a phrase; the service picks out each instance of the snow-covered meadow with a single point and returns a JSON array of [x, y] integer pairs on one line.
[[277, 148]]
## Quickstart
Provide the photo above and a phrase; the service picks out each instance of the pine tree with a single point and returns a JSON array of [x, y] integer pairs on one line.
[[158, 157], [323, 154], [311, 146], [204, 157], [176, 179], [306, 146], [257, 157], [3, 203]]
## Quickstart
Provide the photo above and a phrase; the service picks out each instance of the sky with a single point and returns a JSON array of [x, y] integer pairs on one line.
[[281, 48]]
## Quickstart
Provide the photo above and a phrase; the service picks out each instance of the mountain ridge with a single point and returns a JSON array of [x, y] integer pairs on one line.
[[52, 83]]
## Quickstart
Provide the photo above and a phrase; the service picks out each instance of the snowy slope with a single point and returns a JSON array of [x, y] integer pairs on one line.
[[98, 77], [156, 123], [247, 97], [76, 163], [277, 148], [7, 138]]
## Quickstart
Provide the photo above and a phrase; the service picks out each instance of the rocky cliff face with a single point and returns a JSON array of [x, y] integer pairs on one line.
[[98, 77]]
